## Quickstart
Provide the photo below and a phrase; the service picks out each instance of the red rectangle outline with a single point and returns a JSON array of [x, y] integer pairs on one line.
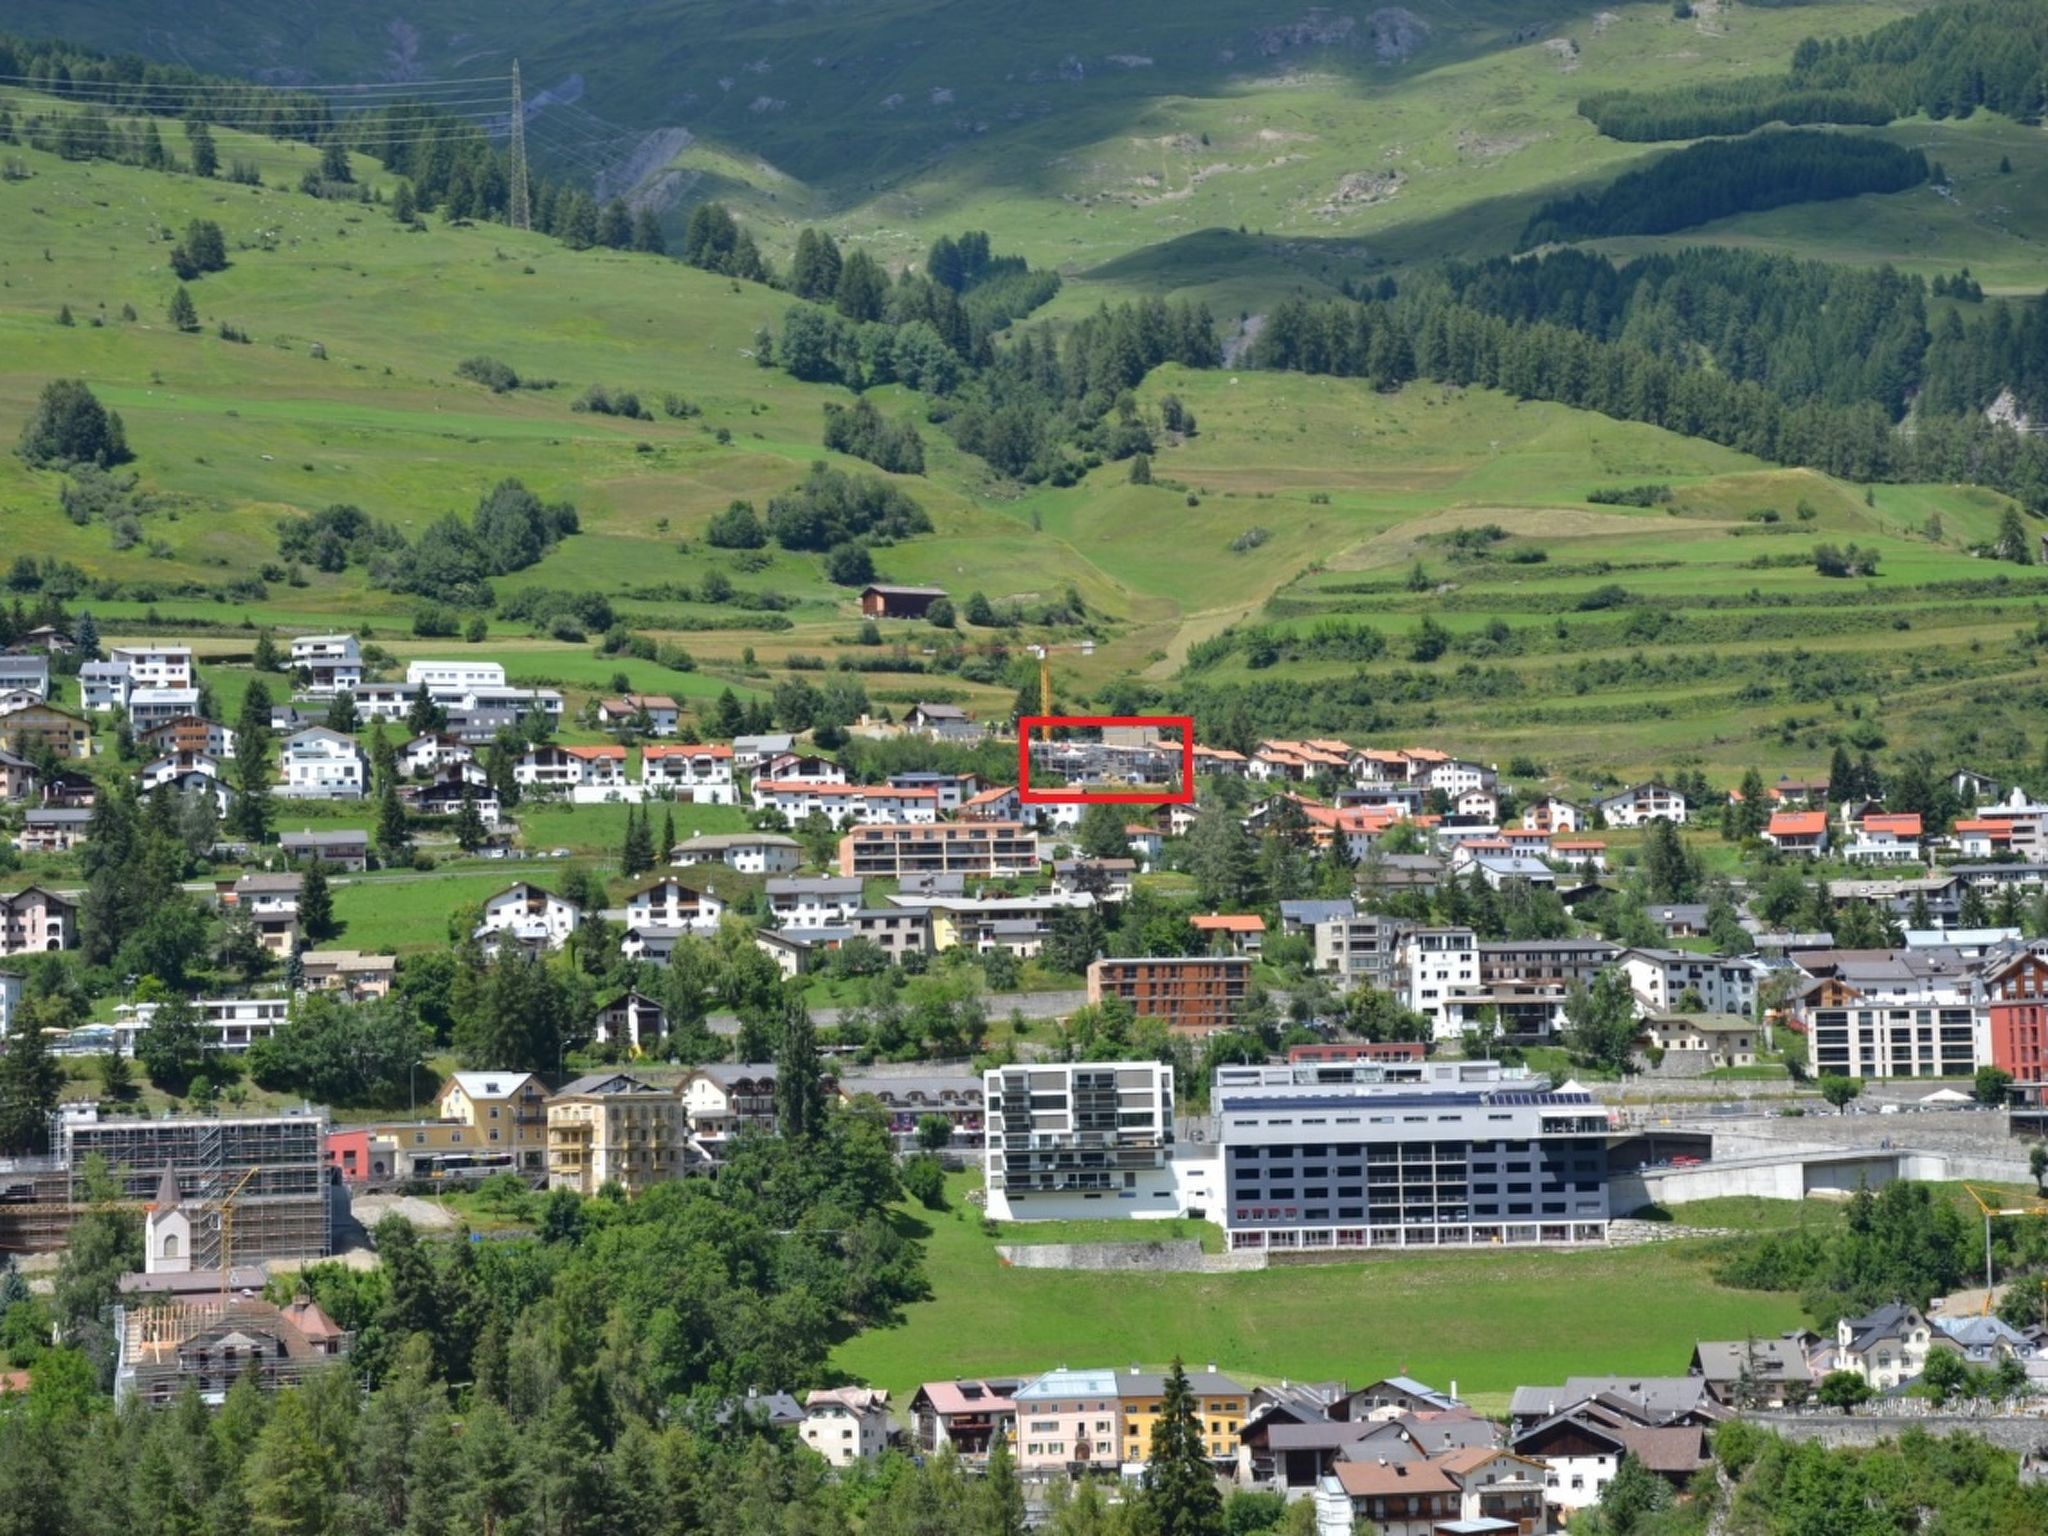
[[1029, 796]]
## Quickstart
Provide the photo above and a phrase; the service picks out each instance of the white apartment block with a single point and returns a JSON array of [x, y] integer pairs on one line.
[[528, 915], [1080, 1139], [696, 775], [865, 805], [229, 1023], [332, 663], [1642, 804], [155, 666], [320, 764], [438, 677], [670, 903], [104, 686], [1660, 977], [149, 708], [1440, 964]]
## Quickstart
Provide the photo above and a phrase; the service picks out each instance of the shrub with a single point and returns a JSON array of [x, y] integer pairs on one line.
[[69, 427]]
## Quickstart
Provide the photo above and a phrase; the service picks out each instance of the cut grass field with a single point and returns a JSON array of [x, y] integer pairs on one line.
[[1488, 1321]]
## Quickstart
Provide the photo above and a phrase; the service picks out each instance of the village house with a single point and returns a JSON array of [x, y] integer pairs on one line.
[[1801, 832], [320, 764], [155, 666], [613, 1128], [846, 1425], [152, 707], [1887, 1347], [36, 921], [348, 971], [1107, 880], [694, 775], [507, 1111], [798, 951], [529, 916], [956, 1097], [1067, 1422], [813, 901], [652, 714], [52, 831], [866, 805], [38, 726], [1220, 1407], [328, 664], [1754, 1373], [1553, 815], [190, 733], [1721, 1039], [721, 1099], [1660, 977], [271, 903], [17, 777], [1885, 839], [989, 850], [433, 752], [1641, 804], [672, 903], [964, 1417], [751, 853], [1236, 933], [104, 686], [348, 851], [632, 1020]]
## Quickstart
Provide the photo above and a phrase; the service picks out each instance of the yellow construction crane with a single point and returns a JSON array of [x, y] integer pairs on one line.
[[227, 1230], [1044, 655], [2034, 1208]]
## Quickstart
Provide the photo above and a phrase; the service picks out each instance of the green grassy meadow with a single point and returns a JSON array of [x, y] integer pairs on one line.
[[1464, 1317]]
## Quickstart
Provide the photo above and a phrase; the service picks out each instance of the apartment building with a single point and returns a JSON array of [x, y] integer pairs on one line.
[[24, 731], [899, 931], [1080, 1139], [958, 1097], [723, 1098], [35, 921], [1438, 964], [988, 850], [612, 1127], [2016, 1003], [865, 805], [813, 901], [752, 853], [508, 1111], [1193, 994], [1641, 804], [670, 903], [454, 676], [104, 686], [1361, 1155], [1067, 1423], [695, 775], [1359, 949], [149, 708], [331, 663], [528, 915], [155, 666], [1660, 977], [1221, 1406]]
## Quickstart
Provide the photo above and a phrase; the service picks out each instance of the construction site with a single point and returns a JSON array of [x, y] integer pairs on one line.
[[258, 1182]]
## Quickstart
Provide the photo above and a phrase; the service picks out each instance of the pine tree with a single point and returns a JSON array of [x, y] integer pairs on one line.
[[252, 809], [668, 835], [29, 1084], [87, 637], [1180, 1497], [184, 315], [341, 713], [647, 235], [799, 1094], [394, 833], [205, 158], [469, 822], [615, 225], [1001, 1491], [316, 903], [266, 657], [405, 206]]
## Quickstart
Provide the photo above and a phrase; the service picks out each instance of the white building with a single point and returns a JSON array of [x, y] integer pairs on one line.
[[1660, 977], [320, 764], [1080, 1139], [670, 903], [155, 666], [431, 753], [225, 1023], [332, 663], [867, 805], [846, 1424], [1641, 804], [104, 686], [454, 676], [528, 915], [822, 901], [1439, 964], [696, 775], [152, 707], [752, 853]]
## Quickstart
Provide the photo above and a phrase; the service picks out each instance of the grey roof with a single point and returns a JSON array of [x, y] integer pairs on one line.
[[1309, 913], [780, 1409], [258, 883], [322, 839], [61, 817], [1888, 1322], [813, 885], [1727, 1360], [718, 842], [1663, 1396], [929, 1084], [1208, 1383], [804, 938], [1316, 1435], [606, 1082]]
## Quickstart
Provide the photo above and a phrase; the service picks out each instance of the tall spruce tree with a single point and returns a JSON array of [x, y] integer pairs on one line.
[[252, 810], [1180, 1497], [29, 1084], [799, 1088], [394, 832], [469, 822], [316, 903]]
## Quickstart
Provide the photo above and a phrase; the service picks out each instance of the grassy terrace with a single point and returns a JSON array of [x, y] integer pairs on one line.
[[1489, 1321]]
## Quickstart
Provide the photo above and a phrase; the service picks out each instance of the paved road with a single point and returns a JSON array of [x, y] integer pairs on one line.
[[1033, 1005]]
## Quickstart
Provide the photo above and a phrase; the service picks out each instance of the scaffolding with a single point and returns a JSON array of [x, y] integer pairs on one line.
[[282, 1213]]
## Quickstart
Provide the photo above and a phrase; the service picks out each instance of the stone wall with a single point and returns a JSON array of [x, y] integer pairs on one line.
[[1181, 1255], [2004, 1430]]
